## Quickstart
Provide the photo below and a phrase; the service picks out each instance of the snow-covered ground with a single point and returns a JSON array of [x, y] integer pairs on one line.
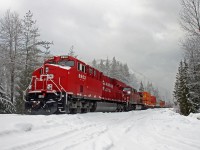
[[156, 129]]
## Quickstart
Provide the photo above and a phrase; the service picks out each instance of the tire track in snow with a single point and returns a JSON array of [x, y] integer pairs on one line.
[[33, 144], [84, 133]]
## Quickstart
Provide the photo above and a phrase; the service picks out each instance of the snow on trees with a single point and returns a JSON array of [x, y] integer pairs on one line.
[[10, 39], [141, 89], [32, 56], [5, 104], [72, 52], [189, 82], [21, 52], [181, 90], [192, 54], [190, 16], [116, 69]]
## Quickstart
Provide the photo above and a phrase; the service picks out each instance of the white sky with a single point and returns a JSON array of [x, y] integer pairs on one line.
[[145, 34]]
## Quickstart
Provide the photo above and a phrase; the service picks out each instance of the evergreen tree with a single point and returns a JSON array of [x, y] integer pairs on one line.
[[32, 57], [192, 54], [94, 63], [149, 88], [190, 22], [126, 74], [114, 70], [141, 89], [181, 90], [101, 66], [22, 85], [72, 52], [121, 75], [194, 87], [107, 67]]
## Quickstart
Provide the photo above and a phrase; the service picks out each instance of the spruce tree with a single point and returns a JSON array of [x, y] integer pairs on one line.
[[101, 66], [32, 57], [72, 52], [114, 70], [22, 85], [107, 67], [141, 89], [94, 63], [181, 90], [194, 87]]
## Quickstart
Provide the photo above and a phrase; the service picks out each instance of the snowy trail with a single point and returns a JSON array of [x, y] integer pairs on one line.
[[158, 129]]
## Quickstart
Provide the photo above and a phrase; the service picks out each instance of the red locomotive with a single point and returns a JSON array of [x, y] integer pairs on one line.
[[65, 84]]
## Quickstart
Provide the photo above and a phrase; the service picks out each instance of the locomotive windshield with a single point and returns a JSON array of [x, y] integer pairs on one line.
[[69, 63], [127, 89], [51, 62]]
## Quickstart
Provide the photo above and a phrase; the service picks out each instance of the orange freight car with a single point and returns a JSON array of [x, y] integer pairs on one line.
[[146, 98], [153, 101], [162, 104]]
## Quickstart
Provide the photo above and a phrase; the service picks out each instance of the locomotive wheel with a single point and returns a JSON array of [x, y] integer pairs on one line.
[[93, 107], [83, 110], [78, 110], [120, 108], [73, 111]]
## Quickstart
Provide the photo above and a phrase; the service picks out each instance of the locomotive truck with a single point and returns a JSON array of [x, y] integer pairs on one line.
[[64, 84]]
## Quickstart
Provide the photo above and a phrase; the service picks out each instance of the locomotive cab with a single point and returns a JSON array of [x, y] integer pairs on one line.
[[63, 84], [133, 96], [46, 90]]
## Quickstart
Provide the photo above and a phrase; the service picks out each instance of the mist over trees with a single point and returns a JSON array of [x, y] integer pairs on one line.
[[115, 69], [21, 52], [150, 89], [187, 85]]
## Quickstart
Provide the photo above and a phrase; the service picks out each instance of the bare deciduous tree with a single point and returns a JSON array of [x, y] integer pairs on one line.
[[10, 35], [190, 16]]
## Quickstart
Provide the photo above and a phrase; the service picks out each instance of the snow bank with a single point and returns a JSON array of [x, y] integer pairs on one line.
[[153, 129], [197, 116]]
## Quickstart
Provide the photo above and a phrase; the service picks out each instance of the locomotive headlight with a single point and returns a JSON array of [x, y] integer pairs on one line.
[[129, 92], [50, 76], [49, 86], [47, 69]]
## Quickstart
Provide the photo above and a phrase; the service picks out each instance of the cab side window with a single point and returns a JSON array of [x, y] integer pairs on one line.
[[95, 73], [81, 67], [90, 71]]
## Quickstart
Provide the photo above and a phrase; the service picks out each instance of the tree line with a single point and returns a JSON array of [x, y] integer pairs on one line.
[[116, 69], [21, 51], [187, 85]]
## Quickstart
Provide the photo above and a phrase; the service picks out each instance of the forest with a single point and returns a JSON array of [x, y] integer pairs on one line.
[[22, 51]]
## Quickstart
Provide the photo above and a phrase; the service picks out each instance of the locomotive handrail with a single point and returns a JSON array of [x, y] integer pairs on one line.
[[24, 92], [62, 86], [27, 88], [57, 88]]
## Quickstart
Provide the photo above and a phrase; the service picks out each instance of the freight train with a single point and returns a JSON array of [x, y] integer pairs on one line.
[[65, 84]]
